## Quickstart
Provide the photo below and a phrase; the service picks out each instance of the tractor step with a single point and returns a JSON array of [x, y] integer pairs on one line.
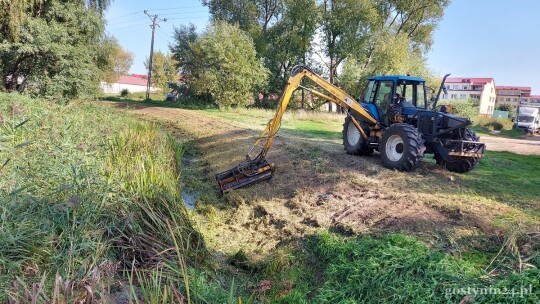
[[246, 173]]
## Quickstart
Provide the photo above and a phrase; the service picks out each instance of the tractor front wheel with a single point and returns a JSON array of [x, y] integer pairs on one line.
[[402, 147], [353, 141]]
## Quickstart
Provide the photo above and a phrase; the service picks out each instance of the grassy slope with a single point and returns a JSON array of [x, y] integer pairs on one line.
[[88, 193]]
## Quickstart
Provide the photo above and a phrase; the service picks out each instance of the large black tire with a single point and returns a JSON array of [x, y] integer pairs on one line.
[[402, 147], [459, 164], [353, 141]]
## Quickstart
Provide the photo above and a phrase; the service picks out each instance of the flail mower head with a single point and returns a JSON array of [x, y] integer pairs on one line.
[[246, 173]]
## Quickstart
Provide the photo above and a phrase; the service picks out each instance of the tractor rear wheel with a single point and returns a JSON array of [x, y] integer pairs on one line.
[[402, 147], [459, 164], [353, 141]]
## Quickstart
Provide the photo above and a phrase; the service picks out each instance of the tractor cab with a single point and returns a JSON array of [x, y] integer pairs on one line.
[[391, 99]]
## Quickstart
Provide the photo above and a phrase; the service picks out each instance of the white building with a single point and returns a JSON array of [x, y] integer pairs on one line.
[[134, 83], [481, 89]]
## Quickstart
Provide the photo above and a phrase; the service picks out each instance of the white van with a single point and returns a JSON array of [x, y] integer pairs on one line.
[[528, 119]]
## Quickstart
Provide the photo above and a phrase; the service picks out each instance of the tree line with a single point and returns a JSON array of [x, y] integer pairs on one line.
[[250, 46], [58, 48]]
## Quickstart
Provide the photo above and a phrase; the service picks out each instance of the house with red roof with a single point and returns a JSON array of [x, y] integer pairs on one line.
[[467, 88], [133, 83]]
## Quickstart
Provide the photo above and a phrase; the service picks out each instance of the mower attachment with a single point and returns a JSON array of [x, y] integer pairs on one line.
[[246, 173]]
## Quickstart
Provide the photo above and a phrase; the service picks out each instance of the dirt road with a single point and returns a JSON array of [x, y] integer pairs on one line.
[[525, 145], [318, 187]]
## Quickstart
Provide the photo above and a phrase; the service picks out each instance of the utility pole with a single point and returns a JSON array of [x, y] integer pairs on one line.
[[155, 20]]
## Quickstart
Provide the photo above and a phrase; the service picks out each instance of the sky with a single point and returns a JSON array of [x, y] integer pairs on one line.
[[478, 38]]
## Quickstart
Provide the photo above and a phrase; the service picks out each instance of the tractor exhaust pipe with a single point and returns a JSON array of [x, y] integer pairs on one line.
[[246, 173], [441, 88]]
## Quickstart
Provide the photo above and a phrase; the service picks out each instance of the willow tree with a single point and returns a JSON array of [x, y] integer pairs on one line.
[[399, 34], [50, 47]]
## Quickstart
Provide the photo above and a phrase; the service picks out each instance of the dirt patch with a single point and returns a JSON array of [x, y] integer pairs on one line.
[[528, 145]]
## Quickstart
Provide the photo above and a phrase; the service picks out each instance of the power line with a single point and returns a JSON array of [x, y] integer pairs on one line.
[[183, 13], [161, 31], [173, 8], [131, 14], [126, 21], [157, 9], [194, 17], [161, 35], [129, 26]]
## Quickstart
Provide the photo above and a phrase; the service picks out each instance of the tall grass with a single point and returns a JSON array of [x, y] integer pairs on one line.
[[87, 196]]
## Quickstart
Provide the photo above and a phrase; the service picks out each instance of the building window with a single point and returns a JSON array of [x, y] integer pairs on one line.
[[463, 96], [465, 87], [444, 96], [454, 87], [507, 99], [515, 106], [453, 96]]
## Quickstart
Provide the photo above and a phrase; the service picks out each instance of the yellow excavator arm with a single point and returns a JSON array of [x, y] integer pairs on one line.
[[255, 169]]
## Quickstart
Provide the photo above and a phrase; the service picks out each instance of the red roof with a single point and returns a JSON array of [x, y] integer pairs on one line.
[[512, 88], [134, 80], [472, 81], [532, 96]]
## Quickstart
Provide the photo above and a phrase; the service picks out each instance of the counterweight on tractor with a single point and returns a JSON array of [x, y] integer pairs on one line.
[[394, 118]]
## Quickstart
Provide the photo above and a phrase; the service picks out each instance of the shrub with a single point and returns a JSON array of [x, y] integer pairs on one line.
[[504, 107], [227, 66], [464, 108], [496, 124], [124, 93]]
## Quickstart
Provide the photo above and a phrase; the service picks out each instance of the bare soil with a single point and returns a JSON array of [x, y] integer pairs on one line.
[[319, 187], [528, 145]]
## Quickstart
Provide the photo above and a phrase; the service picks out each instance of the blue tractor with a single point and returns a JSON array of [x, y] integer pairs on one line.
[[410, 126], [395, 117]]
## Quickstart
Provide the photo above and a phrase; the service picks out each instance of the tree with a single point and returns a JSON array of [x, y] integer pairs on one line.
[[163, 69], [282, 31], [112, 60], [49, 47], [225, 65], [184, 36], [378, 36]]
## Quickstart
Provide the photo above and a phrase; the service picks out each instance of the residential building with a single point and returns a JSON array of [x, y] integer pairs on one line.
[[480, 89], [133, 83], [515, 96], [533, 100]]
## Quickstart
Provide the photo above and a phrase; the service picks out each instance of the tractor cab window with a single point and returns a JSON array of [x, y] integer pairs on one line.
[[384, 95], [420, 96], [410, 93], [370, 91]]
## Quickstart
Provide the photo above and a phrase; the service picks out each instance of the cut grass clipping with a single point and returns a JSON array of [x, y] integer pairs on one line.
[[89, 202]]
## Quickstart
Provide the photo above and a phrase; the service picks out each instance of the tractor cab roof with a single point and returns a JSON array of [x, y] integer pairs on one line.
[[397, 78]]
